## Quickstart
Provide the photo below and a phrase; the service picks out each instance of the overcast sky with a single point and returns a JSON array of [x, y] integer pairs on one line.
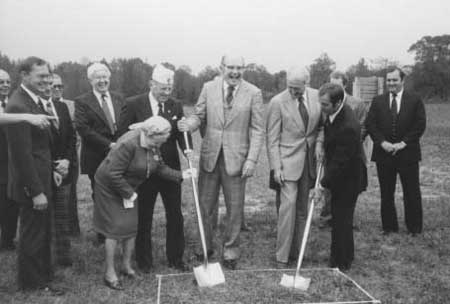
[[196, 33]]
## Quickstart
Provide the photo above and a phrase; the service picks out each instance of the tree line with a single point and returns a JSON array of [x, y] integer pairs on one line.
[[429, 76]]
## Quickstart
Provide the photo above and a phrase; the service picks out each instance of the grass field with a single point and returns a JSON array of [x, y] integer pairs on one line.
[[397, 268]]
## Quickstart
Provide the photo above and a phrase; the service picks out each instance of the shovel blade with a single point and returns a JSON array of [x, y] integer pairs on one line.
[[210, 275], [301, 283]]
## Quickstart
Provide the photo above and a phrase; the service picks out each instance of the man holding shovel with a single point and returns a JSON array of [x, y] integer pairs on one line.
[[232, 111]]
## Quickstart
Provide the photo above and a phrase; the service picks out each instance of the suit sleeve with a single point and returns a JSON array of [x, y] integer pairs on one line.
[[372, 123], [168, 173], [21, 158], [418, 128], [199, 117], [257, 130], [72, 137], [127, 117], [119, 159], [180, 135], [273, 128], [346, 145], [84, 129], [361, 115]]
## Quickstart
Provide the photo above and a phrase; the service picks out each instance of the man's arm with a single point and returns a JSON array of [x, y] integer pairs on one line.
[[372, 123], [179, 135], [38, 120], [256, 128], [194, 121], [84, 129], [419, 125], [273, 134]]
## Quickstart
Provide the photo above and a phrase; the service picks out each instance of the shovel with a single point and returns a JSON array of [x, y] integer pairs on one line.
[[297, 281], [207, 274]]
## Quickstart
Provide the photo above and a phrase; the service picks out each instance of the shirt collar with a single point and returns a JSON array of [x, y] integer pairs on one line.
[[99, 95], [30, 93], [333, 116], [6, 100], [152, 98], [226, 85], [398, 97]]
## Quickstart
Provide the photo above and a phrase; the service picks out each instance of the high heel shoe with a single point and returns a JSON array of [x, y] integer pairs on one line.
[[116, 284]]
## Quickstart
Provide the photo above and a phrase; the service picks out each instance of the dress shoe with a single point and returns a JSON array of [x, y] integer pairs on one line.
[[230, 264], [179, 265], [281, 265], [116, 284], [145, 268], [53, 291], [200, 256]]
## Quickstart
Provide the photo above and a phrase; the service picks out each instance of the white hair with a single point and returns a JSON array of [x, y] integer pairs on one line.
[[97, 67], [4, 72], [296, 74]]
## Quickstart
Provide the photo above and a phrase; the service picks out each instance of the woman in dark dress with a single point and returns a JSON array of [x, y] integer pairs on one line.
[[130, 162]]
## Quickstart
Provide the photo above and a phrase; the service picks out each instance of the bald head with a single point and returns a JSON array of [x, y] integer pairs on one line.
[[5, 84], [296, 79]]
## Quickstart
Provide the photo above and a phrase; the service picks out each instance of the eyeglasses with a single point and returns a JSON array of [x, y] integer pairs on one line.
[[58, 86]]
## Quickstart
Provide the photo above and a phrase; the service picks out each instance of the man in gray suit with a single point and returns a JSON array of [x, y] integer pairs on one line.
[[294, 141], [232, 111]]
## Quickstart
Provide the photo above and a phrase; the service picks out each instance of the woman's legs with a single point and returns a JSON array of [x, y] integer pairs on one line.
[[128, 246], [110, 249]]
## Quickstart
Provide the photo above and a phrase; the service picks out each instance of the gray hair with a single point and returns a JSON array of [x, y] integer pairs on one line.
[[97, 67]]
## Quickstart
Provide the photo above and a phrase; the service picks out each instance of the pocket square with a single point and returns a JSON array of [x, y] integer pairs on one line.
[[174, 117]]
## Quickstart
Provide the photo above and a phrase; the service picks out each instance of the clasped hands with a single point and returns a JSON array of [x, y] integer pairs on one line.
[[392, 148], [61, 171]]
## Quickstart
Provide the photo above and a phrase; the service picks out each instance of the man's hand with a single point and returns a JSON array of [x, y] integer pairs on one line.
[[248, 169], [278, 176], [62, 167], [189, 153], [40, 202], [39, 120], [398, 146], [320, 154], [57, 178], [111, 145], [183, 125], [387, 146], [188, 173]]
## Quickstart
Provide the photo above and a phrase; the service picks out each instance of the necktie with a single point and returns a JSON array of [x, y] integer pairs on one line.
[[108, 115], [50, 112], [303, 112], [3, 104], [394, 115], [229, 97], [41, 105], [160, 109]]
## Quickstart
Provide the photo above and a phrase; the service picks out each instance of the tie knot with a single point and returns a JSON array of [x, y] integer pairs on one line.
[[104, 96], [300, 98], [394, 95], [230, 89]]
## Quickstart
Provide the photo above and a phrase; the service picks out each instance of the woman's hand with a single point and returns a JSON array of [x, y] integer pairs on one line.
[[189, 173]]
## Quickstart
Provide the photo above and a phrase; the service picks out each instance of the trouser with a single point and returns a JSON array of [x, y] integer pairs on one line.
[[74, 224], [9, 213], [61, 224], [292, 215], [34, 252], [233, 188], [412, 198], [100, 237], [171, 197], [343, 202]]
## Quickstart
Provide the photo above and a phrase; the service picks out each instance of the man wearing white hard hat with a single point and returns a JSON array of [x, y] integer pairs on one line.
[[158, 102], [96, 115], [294, 141]]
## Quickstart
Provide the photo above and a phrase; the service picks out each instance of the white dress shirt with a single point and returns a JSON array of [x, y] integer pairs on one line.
[[398, 99], [225, 89], [154, 104], [108, 102], [332, 117]]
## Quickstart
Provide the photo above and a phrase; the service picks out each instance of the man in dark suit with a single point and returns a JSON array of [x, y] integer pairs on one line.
[[96, 117], [396, 121], [63, 149], [30, 177], [342, 175], [137, 109], [9, 210]]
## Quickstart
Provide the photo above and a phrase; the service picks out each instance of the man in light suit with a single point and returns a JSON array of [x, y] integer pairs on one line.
[[293, 139], [96, 116], [234, 133], [396, 122]]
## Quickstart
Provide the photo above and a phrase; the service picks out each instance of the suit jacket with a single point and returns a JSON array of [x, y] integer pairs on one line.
[[30, 167], [3, 157], [240, 136], [411, 123], [287, 136], [65, 139], [92, 125], [137, 109], [343, 159]]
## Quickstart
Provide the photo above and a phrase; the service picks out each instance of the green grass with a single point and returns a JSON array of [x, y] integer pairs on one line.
[[394, 269]]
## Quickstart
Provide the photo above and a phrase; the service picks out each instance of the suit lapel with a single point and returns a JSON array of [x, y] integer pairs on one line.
[[93, 103], [240, 93], [218, 100], [116, 106], [403, 108], [293, 108]]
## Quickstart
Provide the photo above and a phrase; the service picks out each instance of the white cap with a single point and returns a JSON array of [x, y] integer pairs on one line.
[[162, 75]]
